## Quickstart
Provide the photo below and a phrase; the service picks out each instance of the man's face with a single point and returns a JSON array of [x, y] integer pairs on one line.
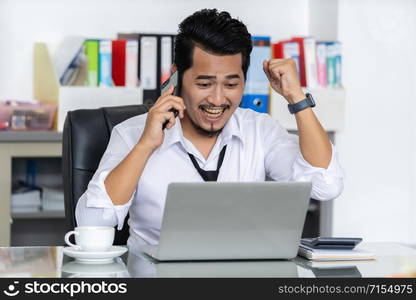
[[212, 89]]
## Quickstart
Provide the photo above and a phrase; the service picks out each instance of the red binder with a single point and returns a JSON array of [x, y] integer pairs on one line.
[[119, 62], [278, 49], [307, 61], [299, 40]]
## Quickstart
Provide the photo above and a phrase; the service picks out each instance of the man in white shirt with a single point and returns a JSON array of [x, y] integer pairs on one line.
[[212, 138]]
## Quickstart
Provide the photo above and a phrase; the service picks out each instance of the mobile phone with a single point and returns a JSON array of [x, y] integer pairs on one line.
[[331, 243], [172, 80]]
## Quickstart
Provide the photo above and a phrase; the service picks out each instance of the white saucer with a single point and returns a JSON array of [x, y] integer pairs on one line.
[[96, 257]]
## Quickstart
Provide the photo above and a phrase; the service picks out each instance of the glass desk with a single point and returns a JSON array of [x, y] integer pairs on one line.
[[392, 260]]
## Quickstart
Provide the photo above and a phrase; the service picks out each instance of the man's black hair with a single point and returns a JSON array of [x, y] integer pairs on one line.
[[214, 32]]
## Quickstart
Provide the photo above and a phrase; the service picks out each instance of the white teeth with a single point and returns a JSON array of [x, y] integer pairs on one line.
[[213, 111]]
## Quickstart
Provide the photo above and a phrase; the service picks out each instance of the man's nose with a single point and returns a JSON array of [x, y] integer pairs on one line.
[[217, 97]]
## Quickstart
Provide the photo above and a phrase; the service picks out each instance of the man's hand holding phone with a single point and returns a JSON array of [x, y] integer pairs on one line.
[[160, 113], [121, 182]]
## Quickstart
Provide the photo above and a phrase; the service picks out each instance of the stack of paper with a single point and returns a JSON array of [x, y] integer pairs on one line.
[[28, 200], [331, 255], [53, 199]]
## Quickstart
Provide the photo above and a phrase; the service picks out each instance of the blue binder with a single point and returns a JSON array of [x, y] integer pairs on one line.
[[105, 55], [257, 92]]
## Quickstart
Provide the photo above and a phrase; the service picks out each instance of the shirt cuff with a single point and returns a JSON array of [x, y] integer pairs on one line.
[[301, 168], [97, 197], [327, 183]]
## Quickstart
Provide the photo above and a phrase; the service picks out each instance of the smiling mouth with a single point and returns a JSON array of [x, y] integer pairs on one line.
[[213, 112]]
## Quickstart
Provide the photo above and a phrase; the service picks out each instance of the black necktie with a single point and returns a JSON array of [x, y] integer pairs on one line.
[[209, 175]]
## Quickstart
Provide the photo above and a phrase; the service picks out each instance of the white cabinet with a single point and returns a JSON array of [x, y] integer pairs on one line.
[[17, 145], [330, 109]]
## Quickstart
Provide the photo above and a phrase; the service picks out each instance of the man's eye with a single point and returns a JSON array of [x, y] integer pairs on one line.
[[232, 85], [203, 85]]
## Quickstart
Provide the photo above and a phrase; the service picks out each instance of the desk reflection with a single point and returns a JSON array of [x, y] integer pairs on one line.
[[331, 269], [141, 265], [74, 269], [29, 261]]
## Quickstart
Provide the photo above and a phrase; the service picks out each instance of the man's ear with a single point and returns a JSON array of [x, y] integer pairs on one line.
[[173, 69]]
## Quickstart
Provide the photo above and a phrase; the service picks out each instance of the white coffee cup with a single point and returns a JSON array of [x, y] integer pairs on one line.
[[91, 238]]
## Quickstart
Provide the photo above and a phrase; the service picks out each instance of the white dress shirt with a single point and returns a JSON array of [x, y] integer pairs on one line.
[[257, 145]]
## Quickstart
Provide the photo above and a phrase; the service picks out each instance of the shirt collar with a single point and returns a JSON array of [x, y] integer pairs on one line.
[[231, 129], [175, 134]]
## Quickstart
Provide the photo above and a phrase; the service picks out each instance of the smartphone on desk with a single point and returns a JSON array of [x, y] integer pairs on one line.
[[329, 243], [172, 80]]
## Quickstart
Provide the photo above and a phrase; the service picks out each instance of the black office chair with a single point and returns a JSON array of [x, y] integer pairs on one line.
[[85, 138]]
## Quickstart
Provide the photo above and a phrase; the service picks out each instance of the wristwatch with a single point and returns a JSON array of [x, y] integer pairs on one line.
[[301, 105]]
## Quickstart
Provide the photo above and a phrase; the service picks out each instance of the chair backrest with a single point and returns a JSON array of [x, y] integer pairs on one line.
[[85, 138]]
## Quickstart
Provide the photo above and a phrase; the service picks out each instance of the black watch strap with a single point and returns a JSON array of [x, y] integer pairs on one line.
[[301, 105]]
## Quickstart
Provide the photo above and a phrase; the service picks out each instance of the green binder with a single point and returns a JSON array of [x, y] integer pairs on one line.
[[92, 54]]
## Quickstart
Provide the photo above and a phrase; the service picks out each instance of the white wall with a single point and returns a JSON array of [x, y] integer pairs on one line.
[[377, 147], [23, 22]]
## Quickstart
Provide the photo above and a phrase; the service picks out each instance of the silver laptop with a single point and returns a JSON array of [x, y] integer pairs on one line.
[[232, 221]]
